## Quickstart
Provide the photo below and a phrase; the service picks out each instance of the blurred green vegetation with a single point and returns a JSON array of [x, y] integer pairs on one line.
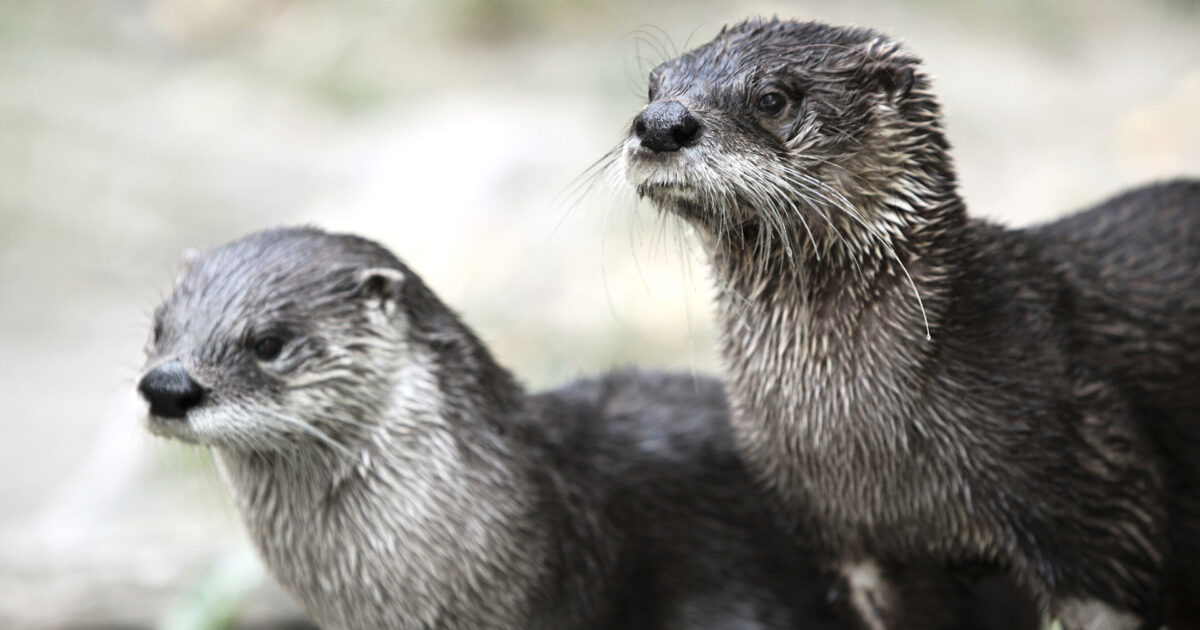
[[219, 596]]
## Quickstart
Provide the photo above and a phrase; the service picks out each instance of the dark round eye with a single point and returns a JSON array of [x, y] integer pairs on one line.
[[268, 348], [772, 103]]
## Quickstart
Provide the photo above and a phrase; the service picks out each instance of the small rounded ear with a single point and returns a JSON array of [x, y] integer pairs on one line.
[[380, 283], [190, 256], [892, 77]]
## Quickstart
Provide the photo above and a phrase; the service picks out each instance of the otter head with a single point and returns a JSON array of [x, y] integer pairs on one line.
[[815, 131], [282, 339]]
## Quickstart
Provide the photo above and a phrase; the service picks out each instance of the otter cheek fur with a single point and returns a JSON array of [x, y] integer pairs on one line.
[[915, 383], [393, 475]]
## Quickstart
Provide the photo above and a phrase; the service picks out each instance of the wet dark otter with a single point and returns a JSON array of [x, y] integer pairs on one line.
[[918, 384], [393, 475]]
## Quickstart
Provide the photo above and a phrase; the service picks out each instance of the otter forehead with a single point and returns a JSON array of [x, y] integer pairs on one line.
[[289, 277], [758, 50]]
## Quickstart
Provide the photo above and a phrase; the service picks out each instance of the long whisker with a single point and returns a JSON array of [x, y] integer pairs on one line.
[[572, 195], [310, 430], [797, 179], [845, 205]]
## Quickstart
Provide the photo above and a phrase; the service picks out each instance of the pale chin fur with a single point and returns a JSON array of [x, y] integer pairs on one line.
[[252, 432], [669, 174], [180, 429], [162, 427]]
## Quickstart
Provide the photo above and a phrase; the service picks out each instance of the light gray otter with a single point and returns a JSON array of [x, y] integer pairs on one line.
[[393, 475], [917, 384]]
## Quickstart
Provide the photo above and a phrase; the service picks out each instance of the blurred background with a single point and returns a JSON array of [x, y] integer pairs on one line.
[[454, 132]]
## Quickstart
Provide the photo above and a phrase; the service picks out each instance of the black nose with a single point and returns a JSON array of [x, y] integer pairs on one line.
[[666, 126], [170, 390]]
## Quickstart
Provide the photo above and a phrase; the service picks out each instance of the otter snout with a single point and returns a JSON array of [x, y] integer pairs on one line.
[[666, 126], [170, 390]]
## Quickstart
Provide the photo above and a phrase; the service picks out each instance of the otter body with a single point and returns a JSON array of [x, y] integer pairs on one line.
[[392, 475], [921, 385]]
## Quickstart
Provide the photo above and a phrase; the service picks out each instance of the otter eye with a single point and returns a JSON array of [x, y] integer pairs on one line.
[[771, 104], [268, 348]]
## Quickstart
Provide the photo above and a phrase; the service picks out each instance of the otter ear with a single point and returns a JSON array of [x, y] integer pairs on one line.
[[190, 256], [893, 77], [380, 284]]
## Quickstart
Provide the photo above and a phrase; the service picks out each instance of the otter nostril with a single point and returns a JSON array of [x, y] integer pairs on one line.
[[666, 126], [170, 390], [687, 130]]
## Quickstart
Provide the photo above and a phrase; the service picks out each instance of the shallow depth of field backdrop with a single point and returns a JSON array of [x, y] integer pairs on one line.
[[451, 131]]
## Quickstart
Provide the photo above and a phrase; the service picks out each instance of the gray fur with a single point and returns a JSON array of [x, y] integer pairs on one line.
[[392, 475], [920, 385]]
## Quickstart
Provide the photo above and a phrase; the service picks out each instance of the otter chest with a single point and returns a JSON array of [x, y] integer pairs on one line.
[[364, 557], [839, 447]]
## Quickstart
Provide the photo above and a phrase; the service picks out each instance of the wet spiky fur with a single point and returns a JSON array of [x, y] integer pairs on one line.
[[917, 384], [393, 475]]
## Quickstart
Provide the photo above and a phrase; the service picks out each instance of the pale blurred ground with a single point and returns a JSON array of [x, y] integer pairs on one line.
[[451, 131]]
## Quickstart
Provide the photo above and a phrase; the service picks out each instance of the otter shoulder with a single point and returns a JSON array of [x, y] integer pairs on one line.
[[631, 418]]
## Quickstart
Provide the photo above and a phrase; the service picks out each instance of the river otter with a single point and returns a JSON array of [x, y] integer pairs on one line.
[[393, 475], [915, 383]]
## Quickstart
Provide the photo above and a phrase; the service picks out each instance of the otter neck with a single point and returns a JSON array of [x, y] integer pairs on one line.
[[830, 338], [432, 522]]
